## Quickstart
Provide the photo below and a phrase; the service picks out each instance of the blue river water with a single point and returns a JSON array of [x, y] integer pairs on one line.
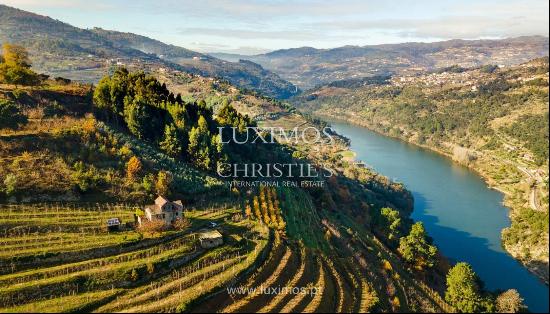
[[458, 210]]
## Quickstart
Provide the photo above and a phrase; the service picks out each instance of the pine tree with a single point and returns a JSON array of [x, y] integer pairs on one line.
[[415, 249], [199, 144], [171, 145], [463, 290]]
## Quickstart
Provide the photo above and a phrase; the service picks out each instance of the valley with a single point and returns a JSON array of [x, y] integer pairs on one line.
[[311, 242], [140, 176], [469, 116]]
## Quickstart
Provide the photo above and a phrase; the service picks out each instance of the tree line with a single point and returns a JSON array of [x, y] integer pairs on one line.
[[185, 130]]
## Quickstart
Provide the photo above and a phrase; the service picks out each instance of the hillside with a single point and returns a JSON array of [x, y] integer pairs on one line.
[[300, 236], [78, 163], [308, 67], [59, 49], [494, 120]]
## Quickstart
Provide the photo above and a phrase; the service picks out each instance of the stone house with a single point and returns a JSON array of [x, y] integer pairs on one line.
[[163, 210]]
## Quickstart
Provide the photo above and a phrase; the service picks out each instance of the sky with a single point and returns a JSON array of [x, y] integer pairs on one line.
[[250, 27]]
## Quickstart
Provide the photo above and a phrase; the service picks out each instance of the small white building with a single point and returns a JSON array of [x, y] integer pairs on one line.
[[210, 239], [164, 210]]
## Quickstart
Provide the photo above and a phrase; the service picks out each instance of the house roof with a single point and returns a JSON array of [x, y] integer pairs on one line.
[[161, 201], [211, 234]]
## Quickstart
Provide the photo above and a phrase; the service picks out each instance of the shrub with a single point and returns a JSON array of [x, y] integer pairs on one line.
[[152, 227], [181, 224], [10, 183], [510, 302], [53, 109], [11, 116]]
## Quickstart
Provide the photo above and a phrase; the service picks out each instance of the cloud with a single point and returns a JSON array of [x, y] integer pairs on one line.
[[274, 24], [480, 20], [250, 34], [465, 27], [262, 9]]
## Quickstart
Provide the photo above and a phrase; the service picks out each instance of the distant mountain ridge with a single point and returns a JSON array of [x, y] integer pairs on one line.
[[58, 48], [309, 67]]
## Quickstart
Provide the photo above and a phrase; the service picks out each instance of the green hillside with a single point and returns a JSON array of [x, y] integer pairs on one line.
[[60, 49], [494, 120], [80, 161]]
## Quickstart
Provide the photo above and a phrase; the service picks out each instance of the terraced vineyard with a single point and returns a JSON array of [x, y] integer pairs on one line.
[[62, 258], [342, 271]]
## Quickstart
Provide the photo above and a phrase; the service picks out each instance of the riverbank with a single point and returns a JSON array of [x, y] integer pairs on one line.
[[460, 213], [535, 259]]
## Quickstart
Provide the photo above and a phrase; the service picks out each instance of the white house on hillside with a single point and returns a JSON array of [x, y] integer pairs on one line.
[[164, 210]]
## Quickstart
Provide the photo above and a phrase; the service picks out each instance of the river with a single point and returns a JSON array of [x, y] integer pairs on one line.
[[458, 210]]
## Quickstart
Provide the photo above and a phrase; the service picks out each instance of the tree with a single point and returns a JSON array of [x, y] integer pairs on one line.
[[153, 227], [119, 90], [15, 66], [84, 178], [463, 290], [10, 116], [102, 94], [15, 56], [181, 224], [171, 145], [18, 75], [415, 249], [133, 167], [199, 144], [136, 117], [392, 221], [510, 301], [148, 183], [164, 179]]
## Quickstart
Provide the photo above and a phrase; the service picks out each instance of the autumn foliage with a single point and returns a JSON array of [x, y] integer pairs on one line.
[[133, 167], [266, 208]]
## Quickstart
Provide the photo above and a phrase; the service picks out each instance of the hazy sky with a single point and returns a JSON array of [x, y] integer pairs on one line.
[[246, 26]]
